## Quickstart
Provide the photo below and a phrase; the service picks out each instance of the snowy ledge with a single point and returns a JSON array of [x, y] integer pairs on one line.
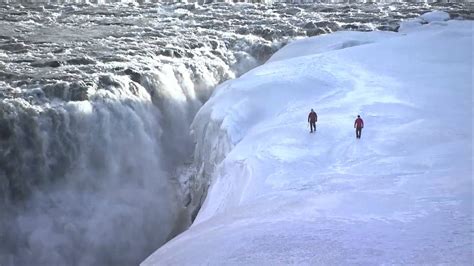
[[401, 194]]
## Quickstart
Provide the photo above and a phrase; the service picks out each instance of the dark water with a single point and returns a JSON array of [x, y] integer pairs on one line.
[[96, 103]]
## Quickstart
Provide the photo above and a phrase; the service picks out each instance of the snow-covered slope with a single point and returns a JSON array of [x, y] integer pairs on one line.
[[401, 194]]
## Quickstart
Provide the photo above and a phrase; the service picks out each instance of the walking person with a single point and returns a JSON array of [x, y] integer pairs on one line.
[[358, 125], [312, 119]]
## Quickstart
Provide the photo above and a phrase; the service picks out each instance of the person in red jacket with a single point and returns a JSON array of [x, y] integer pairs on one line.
[[358, 125], [312, 119]]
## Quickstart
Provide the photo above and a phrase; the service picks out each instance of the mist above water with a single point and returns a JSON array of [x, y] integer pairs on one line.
[[96, 103]]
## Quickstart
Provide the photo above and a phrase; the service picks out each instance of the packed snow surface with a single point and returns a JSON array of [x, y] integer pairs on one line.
[[401, 194], [95, 106]]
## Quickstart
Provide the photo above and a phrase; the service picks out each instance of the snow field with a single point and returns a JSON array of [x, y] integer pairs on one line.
[[402, 194]]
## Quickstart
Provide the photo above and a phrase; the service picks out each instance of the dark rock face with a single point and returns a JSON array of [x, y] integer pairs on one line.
[[329, 26], [80, 61], [309, 25], [51, 63], [134, 75]]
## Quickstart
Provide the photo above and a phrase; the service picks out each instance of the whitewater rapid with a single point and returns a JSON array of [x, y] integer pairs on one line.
[[96, 104]]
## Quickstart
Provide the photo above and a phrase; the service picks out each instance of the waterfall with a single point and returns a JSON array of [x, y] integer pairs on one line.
[[96, 153]]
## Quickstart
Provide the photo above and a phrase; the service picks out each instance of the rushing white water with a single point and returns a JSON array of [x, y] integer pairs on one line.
[[229, 1], [96, 103], [91, 175]]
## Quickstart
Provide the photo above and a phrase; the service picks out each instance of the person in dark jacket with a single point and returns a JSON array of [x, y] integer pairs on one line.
[[358, 125], [312, 119]]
